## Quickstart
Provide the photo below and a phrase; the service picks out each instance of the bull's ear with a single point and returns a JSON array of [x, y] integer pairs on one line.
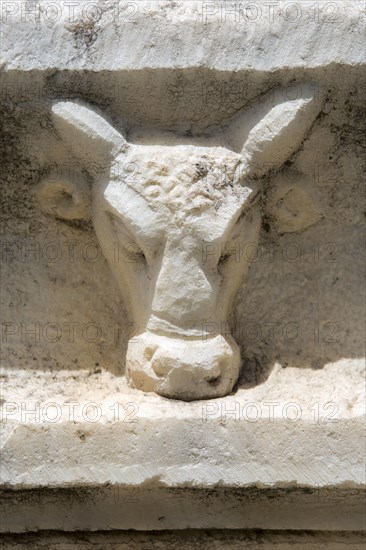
[[87, 133], [269, 132], [65, 196]]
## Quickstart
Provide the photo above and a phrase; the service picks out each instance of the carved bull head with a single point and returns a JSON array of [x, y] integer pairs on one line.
[[176, 207]]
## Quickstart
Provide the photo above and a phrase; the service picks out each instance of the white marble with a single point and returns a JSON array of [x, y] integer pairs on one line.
[[177, 211], [182, 256]]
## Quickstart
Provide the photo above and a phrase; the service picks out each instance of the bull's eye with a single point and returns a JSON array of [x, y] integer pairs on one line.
[[132, 252], [231, 250], [224, 259]]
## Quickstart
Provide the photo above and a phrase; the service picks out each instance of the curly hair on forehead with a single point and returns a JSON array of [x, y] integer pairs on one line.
[[186, 180]]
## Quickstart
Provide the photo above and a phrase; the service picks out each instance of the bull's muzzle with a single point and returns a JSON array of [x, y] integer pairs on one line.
[[180, 368]]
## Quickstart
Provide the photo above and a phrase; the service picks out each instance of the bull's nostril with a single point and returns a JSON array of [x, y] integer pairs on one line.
[[224, 259], [162, 365], [214, 381], [149, 352]]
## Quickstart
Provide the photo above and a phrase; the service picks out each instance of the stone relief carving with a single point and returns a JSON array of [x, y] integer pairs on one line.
[[175, 207]]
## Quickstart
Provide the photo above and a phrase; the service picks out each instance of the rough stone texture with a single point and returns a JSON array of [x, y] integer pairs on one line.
[[174, 70], [251, 450], [69, 269], [161, 34], [182, 207], [195, 540]]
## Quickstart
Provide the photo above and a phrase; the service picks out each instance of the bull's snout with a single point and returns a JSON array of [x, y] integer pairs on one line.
[[182, 368]]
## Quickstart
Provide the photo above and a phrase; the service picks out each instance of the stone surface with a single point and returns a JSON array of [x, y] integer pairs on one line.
[[235, 540], [181, 209], [183, 76], [161, 34], [286, 454]]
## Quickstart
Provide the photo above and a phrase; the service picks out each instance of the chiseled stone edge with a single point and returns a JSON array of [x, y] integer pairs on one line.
[[194, 539], [162, 34], [116, 507], [174, 452]]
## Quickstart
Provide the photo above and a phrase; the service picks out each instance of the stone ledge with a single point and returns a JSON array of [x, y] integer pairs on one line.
[[193, 539], [279, 431], [117, 507], [163, 34], [177, 452], [147, 457]]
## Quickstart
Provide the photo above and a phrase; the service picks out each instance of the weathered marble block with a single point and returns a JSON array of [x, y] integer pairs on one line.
[[182, 257]]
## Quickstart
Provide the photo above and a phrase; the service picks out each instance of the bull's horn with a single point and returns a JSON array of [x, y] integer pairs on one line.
[[268, 133], [88, 134]]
